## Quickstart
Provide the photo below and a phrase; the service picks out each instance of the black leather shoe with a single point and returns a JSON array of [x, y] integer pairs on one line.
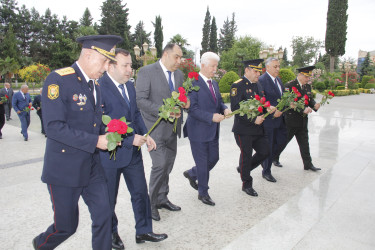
[[193, 183], [142, 238], [169, 205], [269, 177], [117, 242], [206, 200], [238, 169], [25, 139], [250, 191], [1, 137], [34, 243], [312, 168], [277, 164], [155, 214]]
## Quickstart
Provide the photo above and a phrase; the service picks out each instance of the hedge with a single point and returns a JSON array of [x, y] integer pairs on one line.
[[286, 75], [370, 86], [226, 97], [227, 80]]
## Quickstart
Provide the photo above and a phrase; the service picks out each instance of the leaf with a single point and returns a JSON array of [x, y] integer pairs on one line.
[[123, 119], [171, 119], [106, 129], [106, 119], [117, 137], [111, 146], [130, 129], [111, 137]]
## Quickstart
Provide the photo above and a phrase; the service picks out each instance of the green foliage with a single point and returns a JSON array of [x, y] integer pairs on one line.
[[227, 80], [365, 80], [320, 86], [286, 75], [140, 35], [305, 49], [340, 87], [34, 73], [284, 62], [227, 34], [182, 42], [225, 97], [114, 18], [206, 33], [244, 48], [369, 86], [366, 66], [213, 36], [158, 36], [336, 29], [86, 19], [187, 66], [8, 67], [8, 46]]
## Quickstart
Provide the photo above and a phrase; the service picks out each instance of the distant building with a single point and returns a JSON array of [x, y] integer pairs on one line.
[[361, 57]]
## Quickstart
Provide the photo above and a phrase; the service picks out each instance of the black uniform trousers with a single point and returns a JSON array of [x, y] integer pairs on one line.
[[277, 139], [2, 122], [39, 113], [134, 176], [66, 214], [248, 161]]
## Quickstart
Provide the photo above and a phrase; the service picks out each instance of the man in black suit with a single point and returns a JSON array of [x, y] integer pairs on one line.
[[7, 90], [2, 115], [118, 100], [72, 112], [37, 104]]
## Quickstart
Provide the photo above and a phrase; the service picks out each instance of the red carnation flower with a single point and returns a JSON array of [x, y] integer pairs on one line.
[[181, 90], [299, 94], [6, 96], [294, 89], [306, 97], [306, 102], [113, 125], [257, 97], [295, 99], [332, 94], [262, 100], [260, 109], [267, 104], [182, 98]]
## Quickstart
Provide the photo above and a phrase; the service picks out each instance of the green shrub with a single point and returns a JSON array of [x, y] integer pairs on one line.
[[370, 86], [366, 91], [225, 97], [320, 86], [365, 80], [340, 87], [227, 80], [286, 75]]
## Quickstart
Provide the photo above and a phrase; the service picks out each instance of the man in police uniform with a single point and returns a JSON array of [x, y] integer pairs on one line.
[[297, 121], [249, 134], [72, 115]]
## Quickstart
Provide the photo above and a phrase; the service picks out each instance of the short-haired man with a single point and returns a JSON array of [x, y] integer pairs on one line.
[[202, 127], [297, 121], [249, 134], [8, 91], [274, 125], [118, 99], [156, 82], [21, 101], [72, 113], [37, 104]]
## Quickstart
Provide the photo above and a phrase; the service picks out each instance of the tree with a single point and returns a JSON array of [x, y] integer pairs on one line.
[[305, 49], [336, 29], [8, 14], [244, 48], [8, 67], [182, 42], [158, 36], [86, 19], [206, 33], [284, 61], [25, 33], [8, 47], [227, 34], [140, 36], [213, 36], [366, 66]]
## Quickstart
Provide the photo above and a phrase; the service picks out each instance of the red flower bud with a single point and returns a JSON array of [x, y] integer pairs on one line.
[[262, 100], [295, 99], [267, 104], [260, 109], [306, 97], [306, 102], [257, 97], [181, 90]]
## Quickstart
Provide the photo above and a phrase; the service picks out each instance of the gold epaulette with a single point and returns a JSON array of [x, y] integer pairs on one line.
[[238, 80], [65, 71]]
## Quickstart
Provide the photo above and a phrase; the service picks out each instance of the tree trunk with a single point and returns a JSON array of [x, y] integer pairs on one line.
[[331, 63]]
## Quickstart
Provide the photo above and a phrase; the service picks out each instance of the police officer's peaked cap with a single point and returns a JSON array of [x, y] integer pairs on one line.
[[255, 64], [104, 44], [306, 70]]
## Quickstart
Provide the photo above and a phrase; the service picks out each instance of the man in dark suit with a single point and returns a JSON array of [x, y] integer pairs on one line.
[[203, 126], [72, 113], [249, 133], [297, 121], [274, 125], [156, 82], [37, 104], [21, 101], [7, 90], [118, 99], [2, 115]]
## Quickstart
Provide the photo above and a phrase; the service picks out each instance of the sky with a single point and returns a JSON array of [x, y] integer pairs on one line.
[[274, 22]]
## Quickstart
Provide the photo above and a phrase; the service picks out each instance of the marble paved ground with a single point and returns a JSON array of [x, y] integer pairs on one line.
[[330, 209]]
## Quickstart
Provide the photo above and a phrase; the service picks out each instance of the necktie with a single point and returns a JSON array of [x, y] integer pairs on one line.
[[121, 86], [277, 86], [171, 87], [91, 86], [211, 89]]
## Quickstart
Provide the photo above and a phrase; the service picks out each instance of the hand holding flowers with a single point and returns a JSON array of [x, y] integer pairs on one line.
[[327, 96]]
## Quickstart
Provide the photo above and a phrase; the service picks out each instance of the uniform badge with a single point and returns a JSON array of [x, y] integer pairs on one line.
[[233, 92], [75, 97], [53, 91], [82, 100], [247, 91], [96, 83], [250, 90], [79, 78]]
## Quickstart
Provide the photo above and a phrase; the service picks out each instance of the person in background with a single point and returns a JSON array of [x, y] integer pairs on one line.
[[37, 104], [21, 102]]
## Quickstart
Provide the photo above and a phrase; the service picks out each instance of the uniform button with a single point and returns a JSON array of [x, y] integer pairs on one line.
[[63, 150], [94, 124], [81, 109]]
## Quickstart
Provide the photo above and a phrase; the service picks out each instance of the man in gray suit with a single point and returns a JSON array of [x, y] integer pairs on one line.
[[155, 82], [7, 90]]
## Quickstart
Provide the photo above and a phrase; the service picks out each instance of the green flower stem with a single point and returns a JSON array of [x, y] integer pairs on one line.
[[233, 113], [152, 128], [175, 125]]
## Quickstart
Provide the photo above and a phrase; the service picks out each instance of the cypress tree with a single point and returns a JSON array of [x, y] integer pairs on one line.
[[227, 34], [158, 36], [336, 29], [365, 67], [86, 19], [213, 36], [206, 33]]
